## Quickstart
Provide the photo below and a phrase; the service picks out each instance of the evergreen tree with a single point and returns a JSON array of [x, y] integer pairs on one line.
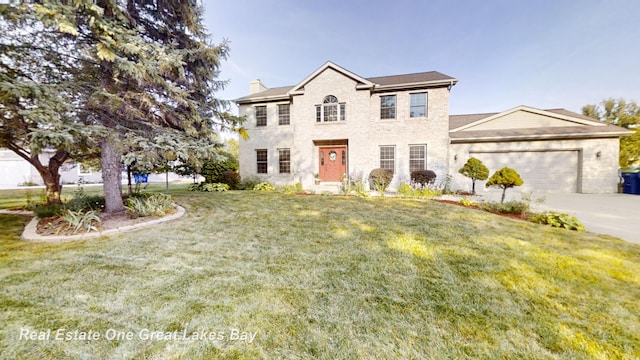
[[147, 75], [504, 178]]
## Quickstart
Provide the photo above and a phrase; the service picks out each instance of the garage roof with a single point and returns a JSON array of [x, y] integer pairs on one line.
[[567, 125]]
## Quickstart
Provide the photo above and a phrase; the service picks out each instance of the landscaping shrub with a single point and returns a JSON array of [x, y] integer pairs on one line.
[[86, 202], [45, 210], [249, 183], [209, 187], [379, 179], [265, 186], [475, 170], [559, 220], [213, 170], [231, 178], [509, 207], [81, 219], [423, 177], [154, 205], [504, 178], [465, 201], [417, 190], [291, 189]]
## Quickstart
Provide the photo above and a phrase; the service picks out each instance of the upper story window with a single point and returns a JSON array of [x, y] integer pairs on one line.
[[331, 110], [261, 116], [388, 107], [284, 114], [418, 105]]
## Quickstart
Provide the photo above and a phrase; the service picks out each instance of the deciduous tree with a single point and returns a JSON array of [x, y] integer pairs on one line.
[[625, 114]]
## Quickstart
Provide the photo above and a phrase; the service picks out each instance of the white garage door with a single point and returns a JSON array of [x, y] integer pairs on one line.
[[540, 170]]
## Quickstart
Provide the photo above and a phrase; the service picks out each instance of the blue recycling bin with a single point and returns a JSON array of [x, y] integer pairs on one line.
[[631, 183], [140, 178]]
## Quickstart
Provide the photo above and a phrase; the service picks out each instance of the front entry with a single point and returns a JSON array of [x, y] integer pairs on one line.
[[333, 162]]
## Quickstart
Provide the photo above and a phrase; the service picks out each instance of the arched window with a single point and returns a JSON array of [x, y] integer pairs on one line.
[[330, 110]]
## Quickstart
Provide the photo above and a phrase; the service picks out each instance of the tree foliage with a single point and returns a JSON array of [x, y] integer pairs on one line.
[[504, 178], [143, 73], [475, 170], [625, 114]]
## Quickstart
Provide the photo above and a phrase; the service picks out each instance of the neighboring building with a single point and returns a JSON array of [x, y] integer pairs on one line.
[[336, 123], [17, 172]]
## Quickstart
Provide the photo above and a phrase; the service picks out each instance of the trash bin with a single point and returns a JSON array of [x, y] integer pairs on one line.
[[140, 178], [631, 182]]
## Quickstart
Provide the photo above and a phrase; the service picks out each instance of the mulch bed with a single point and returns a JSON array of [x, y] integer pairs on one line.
[[57, 226], [510, 216]]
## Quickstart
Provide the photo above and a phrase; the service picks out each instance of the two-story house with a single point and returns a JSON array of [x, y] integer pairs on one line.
[[336, 123]]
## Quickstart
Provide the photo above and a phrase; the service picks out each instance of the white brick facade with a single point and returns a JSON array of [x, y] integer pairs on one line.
[[552, 139]]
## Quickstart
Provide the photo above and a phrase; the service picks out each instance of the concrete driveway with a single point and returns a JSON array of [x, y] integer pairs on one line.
[[612, 214]]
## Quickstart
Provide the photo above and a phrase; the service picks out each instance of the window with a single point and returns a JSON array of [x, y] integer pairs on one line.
[[284, 158], [331, 110], [283, 114], [261, 116], [417, 157], [418, 107], [388, 157], [388, 107], [261, 161]]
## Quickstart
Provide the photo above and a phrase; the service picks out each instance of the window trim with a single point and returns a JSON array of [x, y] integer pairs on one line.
[[281, 120], [425, 105], [424, 159], [282, 162], [259, 122], [385, 109], [264, 162], [381, 160]]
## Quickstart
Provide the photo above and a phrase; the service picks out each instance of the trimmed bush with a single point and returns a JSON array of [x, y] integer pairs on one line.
[[559, 220], [475, 170], [423, 177], [505, 178], [379, 179]]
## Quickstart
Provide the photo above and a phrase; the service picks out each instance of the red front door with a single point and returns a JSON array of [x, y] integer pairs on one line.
[[333, 163]]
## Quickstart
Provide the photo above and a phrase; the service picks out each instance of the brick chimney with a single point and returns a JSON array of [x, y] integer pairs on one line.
[[256, 86]]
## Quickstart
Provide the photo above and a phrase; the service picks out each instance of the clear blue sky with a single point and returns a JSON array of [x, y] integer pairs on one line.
[[545, 54]]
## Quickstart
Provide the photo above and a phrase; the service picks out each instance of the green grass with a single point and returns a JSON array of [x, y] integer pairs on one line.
[[318, 277]]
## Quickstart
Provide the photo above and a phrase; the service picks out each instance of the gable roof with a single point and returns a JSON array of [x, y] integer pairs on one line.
[[362, 82], [578, 126], [385, 83]]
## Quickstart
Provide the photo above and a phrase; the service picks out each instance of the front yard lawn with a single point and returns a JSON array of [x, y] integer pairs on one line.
[[307, 277]]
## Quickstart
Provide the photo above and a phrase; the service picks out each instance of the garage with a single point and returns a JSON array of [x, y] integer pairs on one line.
[[553, 150], [546, 170]]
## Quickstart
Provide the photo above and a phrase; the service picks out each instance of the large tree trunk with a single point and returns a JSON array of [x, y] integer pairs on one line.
[[49, 173], [111, 176]]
